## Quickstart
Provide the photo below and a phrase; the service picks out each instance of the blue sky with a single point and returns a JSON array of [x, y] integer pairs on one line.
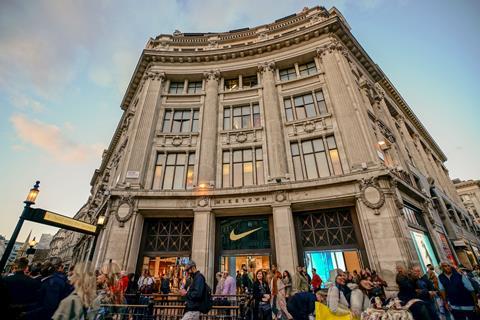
[[65, 65]]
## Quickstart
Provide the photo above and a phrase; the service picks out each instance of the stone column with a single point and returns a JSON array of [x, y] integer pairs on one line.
[[203, 242], [285, 242], [345, 107], [208, 144], [144, 129], [277, 157], [419, 163]]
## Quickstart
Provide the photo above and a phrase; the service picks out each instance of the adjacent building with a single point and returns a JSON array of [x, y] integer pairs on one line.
[[280, 144]]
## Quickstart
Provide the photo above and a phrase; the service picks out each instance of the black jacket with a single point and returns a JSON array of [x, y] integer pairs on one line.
[[22, 292], [301, 304], [424, 285], [406, 288], [195, 292], [258, 292]]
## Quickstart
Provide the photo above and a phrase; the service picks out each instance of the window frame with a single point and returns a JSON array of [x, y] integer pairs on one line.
[[309, 66], [249, 77], [335, 168], [286, 74], [197, 89], [193, 118], [256, 160], [253, 115], [158, 183], [177, 86], [291, 113]]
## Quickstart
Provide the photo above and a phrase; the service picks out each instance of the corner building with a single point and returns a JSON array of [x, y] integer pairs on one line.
[[281, 144]]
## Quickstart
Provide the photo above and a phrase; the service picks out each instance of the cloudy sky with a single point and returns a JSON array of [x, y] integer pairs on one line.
[[65, 65]]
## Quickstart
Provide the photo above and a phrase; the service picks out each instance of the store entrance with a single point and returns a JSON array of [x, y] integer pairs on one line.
[[171, 268], [234, 263], [327, 261]]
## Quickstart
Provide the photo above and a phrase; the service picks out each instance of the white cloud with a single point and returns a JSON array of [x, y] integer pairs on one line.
[[26, 103], [50, 139]]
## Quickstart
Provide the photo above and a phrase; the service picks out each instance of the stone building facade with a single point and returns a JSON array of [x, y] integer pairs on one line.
[[280, 144]]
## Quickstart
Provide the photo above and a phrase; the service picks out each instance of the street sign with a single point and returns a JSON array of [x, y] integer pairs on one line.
[[58, 220]]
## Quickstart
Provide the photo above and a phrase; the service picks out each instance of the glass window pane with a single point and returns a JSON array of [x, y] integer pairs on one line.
[[226, 112], [176, 126], [300, 113], [294, 148], [307, 146], [310, 166], [177, 115], [258, 154], [322, 164], [246, 121], [181, 157], [196, 114], [287, 103], [322, 107], [337, 166], [237, 122], [226, 175], [226, 157], [245, 110], [289, 114], [331, 142], [256, 120], [237, 111], [298, 101], [237, 156], [319, 95], [318, 145], [190, 177], [186, 126], [297, 166], [256, 108], [310, 110], [160, 158], [260, 174], [247, 155], [247, 174], [308, 98], [179, 180], [237, 174], [191, 158], [195, 125], [157, 178], [171, 158], [168, 179], [226, 124], [166, 121]]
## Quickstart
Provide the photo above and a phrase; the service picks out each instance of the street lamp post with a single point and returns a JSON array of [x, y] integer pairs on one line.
[[31, 197], [100, 223]]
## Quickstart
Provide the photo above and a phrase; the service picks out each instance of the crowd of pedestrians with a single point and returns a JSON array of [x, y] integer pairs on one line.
[[48, 291]]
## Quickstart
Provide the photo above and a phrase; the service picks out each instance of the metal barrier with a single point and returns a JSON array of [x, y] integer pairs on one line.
[[171, 307]]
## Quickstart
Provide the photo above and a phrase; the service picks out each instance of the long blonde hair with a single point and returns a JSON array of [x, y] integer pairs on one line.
[[84, 280]]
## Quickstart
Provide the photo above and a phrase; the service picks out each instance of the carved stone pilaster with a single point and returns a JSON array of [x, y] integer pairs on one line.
[[212, 75], [154, 75], [266, 66]]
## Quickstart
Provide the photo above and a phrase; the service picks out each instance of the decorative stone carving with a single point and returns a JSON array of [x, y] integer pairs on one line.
[[266, 66], [212, 75], [241, 137], [262, 36], [125, 209], [155, 75], [212, 44], [203, 202], [371, 195], [177, 141], [309, 126], [280, 196]]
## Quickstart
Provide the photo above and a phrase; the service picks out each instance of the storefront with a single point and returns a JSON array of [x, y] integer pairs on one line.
[[421, 239], [330, 239], [244, 241], [166, 249]]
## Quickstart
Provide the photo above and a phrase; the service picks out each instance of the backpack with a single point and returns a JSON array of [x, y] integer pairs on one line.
[[207, 300]]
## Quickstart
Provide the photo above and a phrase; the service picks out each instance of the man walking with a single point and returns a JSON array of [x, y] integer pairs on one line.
[[21, 290], [457, 293], [300, 281], [195, 295]]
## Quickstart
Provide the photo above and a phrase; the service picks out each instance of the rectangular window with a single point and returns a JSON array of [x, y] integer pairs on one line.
[[194, 86], [174, 171], [176, 87], [307, 68], [231, 84], [242, 167], [250, 81], [180, 120], [304, 106], [311, 158], [288, 74], [241, 117]]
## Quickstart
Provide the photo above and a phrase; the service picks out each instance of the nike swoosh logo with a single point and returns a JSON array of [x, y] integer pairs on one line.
[[235, 237]]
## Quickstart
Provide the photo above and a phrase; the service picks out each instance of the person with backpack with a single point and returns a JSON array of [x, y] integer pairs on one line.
[[199, 295], [81, 303]]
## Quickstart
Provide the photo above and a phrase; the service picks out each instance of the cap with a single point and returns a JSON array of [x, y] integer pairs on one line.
[[190, 264]]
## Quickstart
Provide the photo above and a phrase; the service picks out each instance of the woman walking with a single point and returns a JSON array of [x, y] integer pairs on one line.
[[279, 302], [261, 296], [80, 304]]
